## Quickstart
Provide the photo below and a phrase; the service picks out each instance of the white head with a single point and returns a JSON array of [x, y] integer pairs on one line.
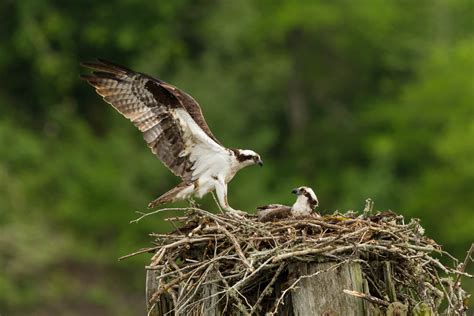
[[247, 157], [306, 201]]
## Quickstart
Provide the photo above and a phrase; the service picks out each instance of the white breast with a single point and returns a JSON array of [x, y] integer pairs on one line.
[[301, 207], [212, 162]]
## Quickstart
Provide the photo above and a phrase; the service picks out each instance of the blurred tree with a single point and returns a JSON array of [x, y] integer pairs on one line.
[[357, 99], [429, 144]]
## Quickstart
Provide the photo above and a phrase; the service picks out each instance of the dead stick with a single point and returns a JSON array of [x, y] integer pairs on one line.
[[367, 297], [236, 246], [464, 264], [155, 260], [143, 215], [267, 289], [301, 253], [185, 240], [387, 274], [234, 293]]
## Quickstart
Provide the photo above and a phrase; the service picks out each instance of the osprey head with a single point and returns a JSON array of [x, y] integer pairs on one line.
[[307, 194], [248, 157]]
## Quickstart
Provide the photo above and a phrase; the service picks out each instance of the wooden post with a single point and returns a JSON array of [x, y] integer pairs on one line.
[[315, 294], [323, 293], [150, 288], [332, 265]]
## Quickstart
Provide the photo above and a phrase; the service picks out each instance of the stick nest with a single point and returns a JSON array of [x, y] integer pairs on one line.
[[246, 262]]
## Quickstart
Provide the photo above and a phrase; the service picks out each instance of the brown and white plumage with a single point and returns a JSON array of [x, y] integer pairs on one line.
[[174, 128], [305, 204]]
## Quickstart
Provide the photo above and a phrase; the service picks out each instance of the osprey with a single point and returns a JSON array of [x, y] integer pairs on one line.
[[174, 129], [306, 202]]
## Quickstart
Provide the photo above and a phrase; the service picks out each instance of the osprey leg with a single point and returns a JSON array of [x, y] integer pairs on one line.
[[221, 190]]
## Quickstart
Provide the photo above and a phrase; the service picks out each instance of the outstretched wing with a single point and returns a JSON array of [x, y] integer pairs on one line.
[[171, 121]]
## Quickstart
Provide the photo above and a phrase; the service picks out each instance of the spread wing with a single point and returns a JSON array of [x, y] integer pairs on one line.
[[171, 120]]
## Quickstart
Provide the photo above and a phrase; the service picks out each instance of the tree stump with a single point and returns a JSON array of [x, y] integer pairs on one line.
[[323, 294]]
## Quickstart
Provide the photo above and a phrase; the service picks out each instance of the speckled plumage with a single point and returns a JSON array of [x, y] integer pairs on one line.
[[174, 129]]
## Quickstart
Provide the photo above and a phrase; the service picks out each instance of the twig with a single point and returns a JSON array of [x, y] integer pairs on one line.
[[185, 240], [155, 260], [268, 289], [236, 245], [367, 297], [293, 285], [464, 265], [246, 253], [444, 289], [387, 274], [143, 215], [232, 291], [301, 253]]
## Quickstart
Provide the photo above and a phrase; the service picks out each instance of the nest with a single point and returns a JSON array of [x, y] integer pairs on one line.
[[244, 260]]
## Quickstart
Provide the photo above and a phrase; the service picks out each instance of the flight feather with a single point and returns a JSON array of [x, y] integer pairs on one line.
[[174, 128], [159, 110]]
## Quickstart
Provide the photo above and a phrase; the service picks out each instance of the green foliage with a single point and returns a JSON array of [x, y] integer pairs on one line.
[[354, 98]]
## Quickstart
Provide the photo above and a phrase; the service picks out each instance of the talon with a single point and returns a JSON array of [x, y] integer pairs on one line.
[[236, 213]]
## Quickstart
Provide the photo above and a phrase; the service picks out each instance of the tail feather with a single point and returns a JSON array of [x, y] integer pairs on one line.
[[169, 196]]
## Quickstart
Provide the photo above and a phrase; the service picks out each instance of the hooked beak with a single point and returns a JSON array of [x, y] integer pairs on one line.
[[260, 162], [294, 191]]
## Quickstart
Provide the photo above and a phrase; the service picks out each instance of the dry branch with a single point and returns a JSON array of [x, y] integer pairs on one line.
[[246, 261]]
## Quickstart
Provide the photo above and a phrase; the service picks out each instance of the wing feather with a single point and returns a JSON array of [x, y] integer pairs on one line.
[[157, 110], [273, 212]]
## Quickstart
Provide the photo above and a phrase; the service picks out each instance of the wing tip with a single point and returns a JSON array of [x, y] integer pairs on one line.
[[106, 66], [106, 75], [96, 82]]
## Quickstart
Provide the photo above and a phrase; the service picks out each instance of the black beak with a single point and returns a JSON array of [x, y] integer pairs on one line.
[[294, 191], [260, 162]]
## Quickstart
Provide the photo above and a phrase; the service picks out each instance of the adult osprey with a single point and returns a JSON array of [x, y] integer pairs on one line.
[[306, 202], [174, 129]]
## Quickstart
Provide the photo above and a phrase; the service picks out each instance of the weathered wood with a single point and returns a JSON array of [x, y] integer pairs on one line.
[[387, 274], [323, 293], [151, 286], [164, 305], [320, 294], [210, 305], [371, 309]]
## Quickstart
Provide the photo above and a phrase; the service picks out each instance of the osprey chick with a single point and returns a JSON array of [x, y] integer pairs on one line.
[[174, 129], [306, 202]]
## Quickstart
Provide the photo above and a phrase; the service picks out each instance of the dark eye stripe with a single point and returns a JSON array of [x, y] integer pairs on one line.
[[312, 202], [242, 158]]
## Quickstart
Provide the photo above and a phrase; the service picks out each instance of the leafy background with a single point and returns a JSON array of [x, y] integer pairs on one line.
[[369, 98]]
